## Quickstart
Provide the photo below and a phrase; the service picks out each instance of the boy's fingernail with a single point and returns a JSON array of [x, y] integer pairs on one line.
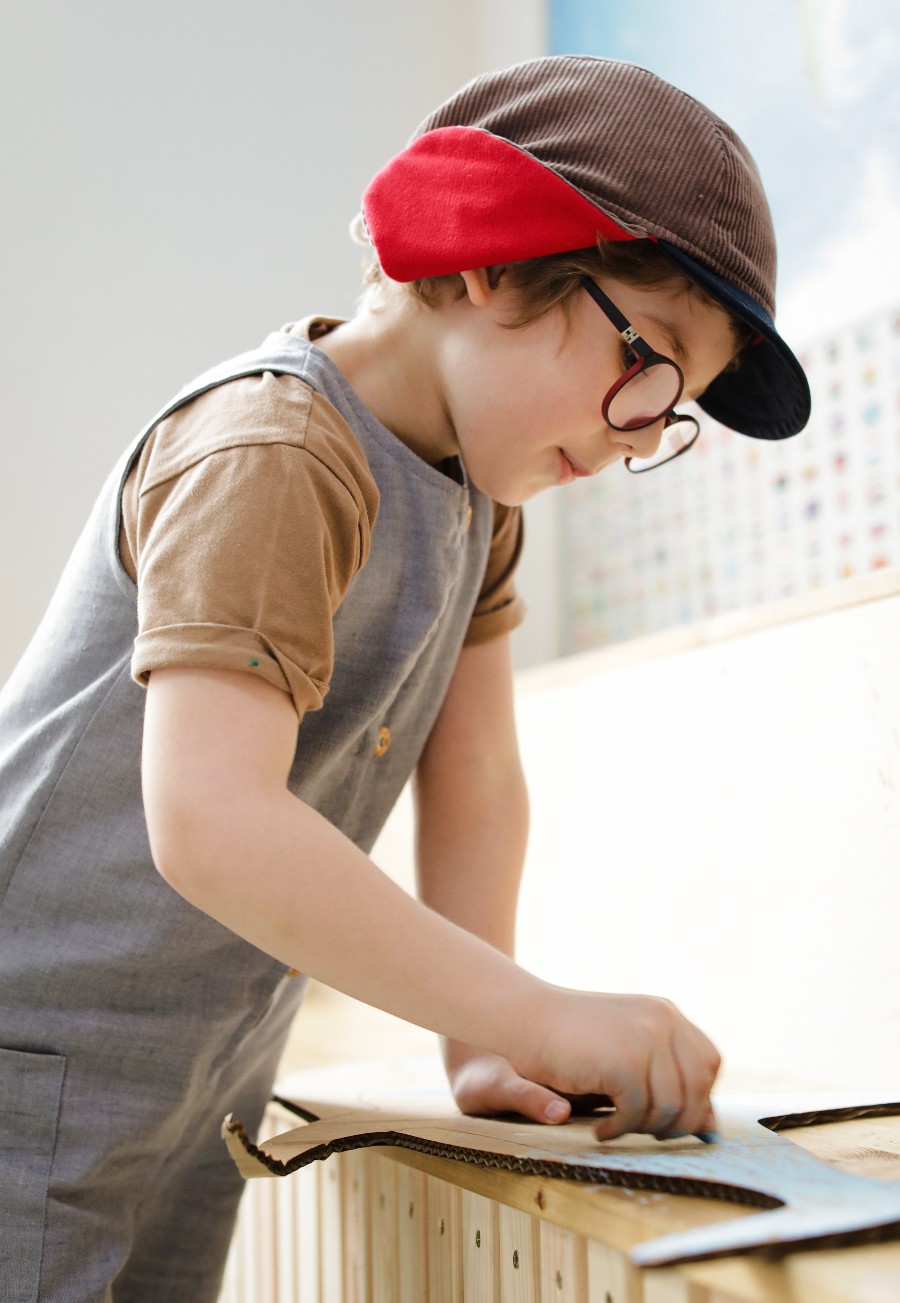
[[709, 1137], [556, 1111]]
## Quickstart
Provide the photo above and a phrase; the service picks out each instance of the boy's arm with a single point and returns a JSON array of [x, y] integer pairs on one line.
[[233, 840], [471, 834]]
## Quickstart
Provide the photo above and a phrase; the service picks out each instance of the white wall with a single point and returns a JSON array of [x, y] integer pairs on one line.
[[716, 819], [541, 581], [178, 180]]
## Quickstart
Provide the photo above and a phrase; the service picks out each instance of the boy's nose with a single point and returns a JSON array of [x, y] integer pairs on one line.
[[645, 442]]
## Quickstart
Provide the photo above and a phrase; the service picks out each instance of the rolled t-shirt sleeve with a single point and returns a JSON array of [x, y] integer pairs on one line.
[[499, 608], [243, 556]]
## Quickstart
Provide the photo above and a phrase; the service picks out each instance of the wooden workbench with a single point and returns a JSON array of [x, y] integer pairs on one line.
[[381, 1224]]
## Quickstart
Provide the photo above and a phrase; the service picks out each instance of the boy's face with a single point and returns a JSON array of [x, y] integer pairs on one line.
[[525, 404]]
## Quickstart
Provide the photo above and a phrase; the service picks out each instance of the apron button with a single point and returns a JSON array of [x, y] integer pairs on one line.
[[383, 742]]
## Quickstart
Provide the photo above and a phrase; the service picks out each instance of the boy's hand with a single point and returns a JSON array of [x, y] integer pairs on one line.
[[485, 1084], [656, 1066]]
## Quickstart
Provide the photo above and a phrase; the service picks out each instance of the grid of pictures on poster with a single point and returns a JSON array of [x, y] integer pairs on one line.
[[738, 521]]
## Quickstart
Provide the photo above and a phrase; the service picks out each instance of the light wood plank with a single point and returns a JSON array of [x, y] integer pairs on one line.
[[287, 1240], [480, 1220], [611, 1277], [669, 1285], [412, 1223], [245, 1276], [856, 1273], [331, 1274], [617, 1217], [304, 1216], [229, 1290], [519, 1257], [355, 1246], [383, 1227], [443, 1241], [563, 1265], [265, 1251], [620, 1218], [287, 1263]]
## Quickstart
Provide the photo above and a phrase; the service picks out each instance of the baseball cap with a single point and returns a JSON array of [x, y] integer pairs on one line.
[[557, 153]]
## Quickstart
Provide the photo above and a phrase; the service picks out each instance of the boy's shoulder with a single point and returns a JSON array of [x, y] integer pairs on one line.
[[251, 413]]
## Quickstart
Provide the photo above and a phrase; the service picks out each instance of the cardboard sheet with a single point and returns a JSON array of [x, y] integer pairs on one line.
[[801, 1198]]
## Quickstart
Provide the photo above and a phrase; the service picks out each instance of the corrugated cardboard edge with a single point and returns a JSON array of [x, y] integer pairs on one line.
[[247, 1158], [252, 1161]]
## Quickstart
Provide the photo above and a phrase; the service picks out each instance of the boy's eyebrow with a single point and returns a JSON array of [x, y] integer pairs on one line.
[[672, 336]]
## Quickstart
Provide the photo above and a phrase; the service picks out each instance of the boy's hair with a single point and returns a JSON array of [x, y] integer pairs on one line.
[[554, 279]]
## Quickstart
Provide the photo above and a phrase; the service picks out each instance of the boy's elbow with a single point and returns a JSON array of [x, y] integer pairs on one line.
[[193, 820], [176, 836]]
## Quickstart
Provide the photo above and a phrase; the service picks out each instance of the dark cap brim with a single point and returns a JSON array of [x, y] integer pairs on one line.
[[767, 395]]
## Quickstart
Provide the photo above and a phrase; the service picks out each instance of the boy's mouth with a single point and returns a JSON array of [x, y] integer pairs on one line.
[[572, 468]]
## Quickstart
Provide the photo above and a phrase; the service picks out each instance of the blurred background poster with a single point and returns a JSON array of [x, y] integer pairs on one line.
[[812, 87]]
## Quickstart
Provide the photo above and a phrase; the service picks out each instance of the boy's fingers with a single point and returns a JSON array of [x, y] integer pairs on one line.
[[667, 1097], [631, 1105], [699, 1073], [542, 1105], [504, 1091], [515, 1094]]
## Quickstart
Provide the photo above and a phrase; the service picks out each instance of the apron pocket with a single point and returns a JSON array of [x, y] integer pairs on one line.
[[30, 1092]]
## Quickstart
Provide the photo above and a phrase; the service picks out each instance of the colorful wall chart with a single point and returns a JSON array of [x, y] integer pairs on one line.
[[738, 521]]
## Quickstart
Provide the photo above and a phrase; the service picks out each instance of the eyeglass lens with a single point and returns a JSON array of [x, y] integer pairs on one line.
[[644, 397], [676, 437]]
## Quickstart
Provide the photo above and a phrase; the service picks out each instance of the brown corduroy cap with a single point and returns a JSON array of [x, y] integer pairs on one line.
[[554, 154]]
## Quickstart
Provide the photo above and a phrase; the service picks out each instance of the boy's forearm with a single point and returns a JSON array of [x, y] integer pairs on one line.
[[472, 802], [471, 839], [274, 871]]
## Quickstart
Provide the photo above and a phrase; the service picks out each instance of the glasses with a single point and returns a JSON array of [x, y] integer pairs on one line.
[[646, 393]]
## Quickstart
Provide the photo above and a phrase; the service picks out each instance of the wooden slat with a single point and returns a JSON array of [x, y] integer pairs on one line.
[[245, 1276], [519, 1257], [229, 1290], [717, 1296], [668, 1285], [443, 1241], [563, 1265], [617, 1216], [412, 1224], [382, 1179], [355, 1246], [287, 1258], [331, 1274], [620, 1218], [611, 1277], [304, 1216], [480, 1222], [263, 1195], [857, 1273]]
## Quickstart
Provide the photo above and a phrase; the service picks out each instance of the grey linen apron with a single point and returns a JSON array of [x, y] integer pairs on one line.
[[130, 1022]]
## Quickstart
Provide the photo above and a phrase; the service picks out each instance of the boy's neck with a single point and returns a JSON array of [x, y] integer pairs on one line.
[[386, 355]]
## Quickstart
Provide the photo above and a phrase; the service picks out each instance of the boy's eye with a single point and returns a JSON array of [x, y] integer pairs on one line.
[[629, 357]]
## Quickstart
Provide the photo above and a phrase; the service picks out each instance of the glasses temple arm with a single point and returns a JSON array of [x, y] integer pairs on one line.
[[607, 305]]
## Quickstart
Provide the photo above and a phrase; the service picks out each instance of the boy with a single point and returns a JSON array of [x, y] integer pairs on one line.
[[320, 536]]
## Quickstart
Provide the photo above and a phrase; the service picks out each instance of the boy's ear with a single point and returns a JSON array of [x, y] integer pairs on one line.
[[479, 285]]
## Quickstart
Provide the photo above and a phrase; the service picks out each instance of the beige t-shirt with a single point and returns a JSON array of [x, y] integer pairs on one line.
[[244, 520]]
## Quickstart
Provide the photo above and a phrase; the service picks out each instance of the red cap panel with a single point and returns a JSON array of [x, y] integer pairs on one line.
[[460, 197]]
